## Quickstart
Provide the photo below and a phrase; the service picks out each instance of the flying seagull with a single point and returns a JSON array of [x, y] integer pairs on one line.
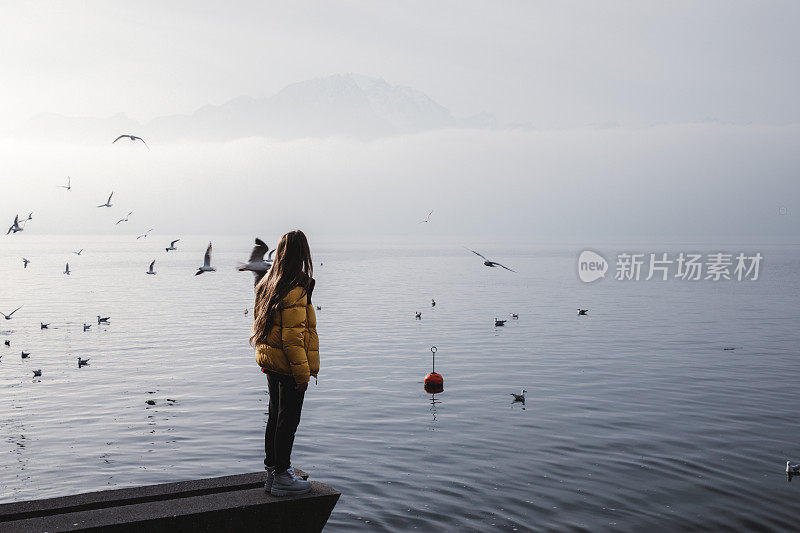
[[79, 252], [125, 219], [103, 320], [515, 316], [498, 323], [66, 270], [490, 263], [108, 202], [151, 271], [25, 354], [42, 325], [583, 312], [427, 218], [172, 245], [206, 263], [68, 186], [132, 138], [37, 373], [418, 315], [144, 234], [25, 262], [257, 264], [86, 327], [8, 316], [15, 226], [83, 362], [519, 397]]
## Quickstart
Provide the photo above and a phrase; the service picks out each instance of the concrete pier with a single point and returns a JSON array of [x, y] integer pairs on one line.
[[229, 503]]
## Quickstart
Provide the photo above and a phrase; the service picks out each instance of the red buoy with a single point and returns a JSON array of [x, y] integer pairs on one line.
[[434, 382]]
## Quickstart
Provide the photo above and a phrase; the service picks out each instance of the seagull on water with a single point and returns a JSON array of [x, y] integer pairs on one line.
[[172, 245], [25, 354], [83, 362], [42, 325], [132, 138], [490, 263], [792, 468], [108, 202], [124, 219], [583, 312], [25, 262], [86, 327], [37, 373], [8, 316], [151, 271], [144, 234], [15, 226], [103, 320], [427, 218], [498, 323], [206, 263], [257, 264], [66, 270], [519, 397], [68, 186], [79, 252]]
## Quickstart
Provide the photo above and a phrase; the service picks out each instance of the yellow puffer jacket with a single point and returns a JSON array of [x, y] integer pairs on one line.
[[292, 346]]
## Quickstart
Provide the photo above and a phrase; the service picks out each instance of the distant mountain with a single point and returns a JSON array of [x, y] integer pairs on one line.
[[348, 105]]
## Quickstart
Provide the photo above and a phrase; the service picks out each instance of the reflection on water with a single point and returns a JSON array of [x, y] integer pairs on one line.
[[671, 429]]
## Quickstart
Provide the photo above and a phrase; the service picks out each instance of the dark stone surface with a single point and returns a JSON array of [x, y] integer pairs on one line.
[[229, 503]]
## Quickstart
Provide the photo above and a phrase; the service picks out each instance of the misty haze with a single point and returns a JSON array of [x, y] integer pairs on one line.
[[449, 164]]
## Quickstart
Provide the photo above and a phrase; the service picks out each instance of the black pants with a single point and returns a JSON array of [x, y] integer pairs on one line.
[[285, 404]]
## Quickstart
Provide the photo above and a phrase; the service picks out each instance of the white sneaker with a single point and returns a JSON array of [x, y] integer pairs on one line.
[[288, 484], [270, 478]]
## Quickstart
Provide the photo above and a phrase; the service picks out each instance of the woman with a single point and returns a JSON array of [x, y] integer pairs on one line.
[[287, 350]]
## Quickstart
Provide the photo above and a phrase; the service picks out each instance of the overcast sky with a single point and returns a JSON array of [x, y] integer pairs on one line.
[[702, 97], [541, 61]]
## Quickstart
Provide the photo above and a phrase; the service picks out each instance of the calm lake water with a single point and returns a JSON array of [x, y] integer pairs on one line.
[[636, 416]]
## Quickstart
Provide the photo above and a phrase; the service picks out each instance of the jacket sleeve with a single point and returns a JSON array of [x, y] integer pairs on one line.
[[294, 321]]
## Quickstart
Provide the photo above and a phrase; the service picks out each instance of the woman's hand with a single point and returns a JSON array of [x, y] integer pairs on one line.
[[302, 387]]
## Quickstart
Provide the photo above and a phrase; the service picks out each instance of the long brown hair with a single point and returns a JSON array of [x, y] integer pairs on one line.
[[291, 268]]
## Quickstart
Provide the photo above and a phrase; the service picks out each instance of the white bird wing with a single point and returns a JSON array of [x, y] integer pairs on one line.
[[498, 264], [476, 253], [207, 258], [258, 251]]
